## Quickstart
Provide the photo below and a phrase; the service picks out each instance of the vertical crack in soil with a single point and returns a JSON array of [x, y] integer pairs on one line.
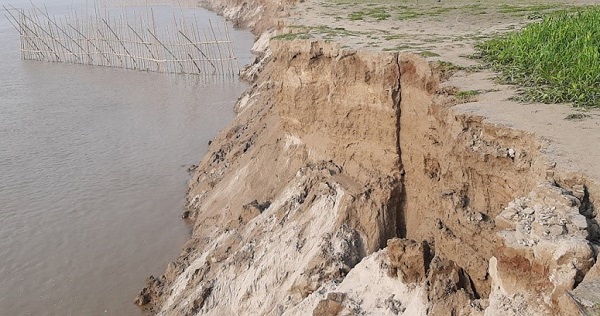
[[399, 191]]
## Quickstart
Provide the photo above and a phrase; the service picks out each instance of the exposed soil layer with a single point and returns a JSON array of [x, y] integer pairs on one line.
[[350, 183]]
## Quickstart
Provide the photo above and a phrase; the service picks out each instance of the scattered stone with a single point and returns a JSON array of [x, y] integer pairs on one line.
[[394, 305], [447, 192], [579, 191], [546, 246], [556, 230], [152, 290], [510, 153], [579, 221], [143, 298], [261, 207], [508, 213], [192, 168]]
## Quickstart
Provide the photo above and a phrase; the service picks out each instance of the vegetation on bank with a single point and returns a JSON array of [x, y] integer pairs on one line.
[[305, 32], [556, 60], [380, 10], [378, 14]]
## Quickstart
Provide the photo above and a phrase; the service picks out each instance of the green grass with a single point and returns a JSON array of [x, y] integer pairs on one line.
[[507, 8], [556, 60], [576, 116], [394, 37], [406, 13], [398, 48], [467, 96], [291, 36], [448, 66], [378, 14], [427, 53], [327, 31], [305, 32], [594, 310]]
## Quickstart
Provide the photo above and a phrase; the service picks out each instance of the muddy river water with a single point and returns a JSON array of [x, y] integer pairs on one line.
[[93, 175]]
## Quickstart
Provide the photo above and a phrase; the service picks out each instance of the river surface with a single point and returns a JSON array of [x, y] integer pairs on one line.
[[93, 175]]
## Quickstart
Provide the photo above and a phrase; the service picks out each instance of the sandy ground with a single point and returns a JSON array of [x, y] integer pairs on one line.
[[448, 30]]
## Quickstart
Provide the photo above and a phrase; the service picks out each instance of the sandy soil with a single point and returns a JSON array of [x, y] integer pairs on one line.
[[448, 30]]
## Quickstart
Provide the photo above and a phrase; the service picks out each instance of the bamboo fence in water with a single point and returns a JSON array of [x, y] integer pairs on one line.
[[124, 42]]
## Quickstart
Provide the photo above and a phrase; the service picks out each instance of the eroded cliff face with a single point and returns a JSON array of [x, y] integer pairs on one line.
[[290, 197], [257, 15], [348, 184]]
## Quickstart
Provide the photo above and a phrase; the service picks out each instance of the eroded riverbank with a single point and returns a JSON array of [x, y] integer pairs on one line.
[[351, 182]]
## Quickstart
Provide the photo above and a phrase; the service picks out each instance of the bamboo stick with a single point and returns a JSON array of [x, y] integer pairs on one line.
[[217, 44], [17, 25], [231, 52], [114, 52], [89, 43], [166, 49], [34, 33], [199, 50], [60, 29]]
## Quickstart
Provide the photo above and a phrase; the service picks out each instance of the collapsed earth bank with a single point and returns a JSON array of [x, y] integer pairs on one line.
[[348, 184]]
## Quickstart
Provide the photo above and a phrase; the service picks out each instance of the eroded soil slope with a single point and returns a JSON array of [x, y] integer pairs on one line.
[[347, 184], [351, 183]]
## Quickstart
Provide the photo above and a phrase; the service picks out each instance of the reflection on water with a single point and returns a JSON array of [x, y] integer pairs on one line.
[[93, 176]]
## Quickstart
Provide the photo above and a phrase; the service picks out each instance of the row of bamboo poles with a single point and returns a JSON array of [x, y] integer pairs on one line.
[[123, 42]]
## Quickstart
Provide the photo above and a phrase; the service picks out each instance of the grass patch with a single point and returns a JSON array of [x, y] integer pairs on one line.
[[427, 53], [325, 33], [556, 60], [467, 96], [406, 13], [291, 36], [448, 66], [394, 37], [445, 69], [576, 116], [356, 16], [331, 32], [379, 14], [398, 48], [596, 309], [506, 8]]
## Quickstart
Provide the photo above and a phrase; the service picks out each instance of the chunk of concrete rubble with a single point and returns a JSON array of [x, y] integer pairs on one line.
[[528, 211], [545, 247]]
